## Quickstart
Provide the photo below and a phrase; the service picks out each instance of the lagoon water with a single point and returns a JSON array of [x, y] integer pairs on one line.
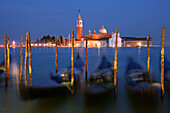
[[43, 64]]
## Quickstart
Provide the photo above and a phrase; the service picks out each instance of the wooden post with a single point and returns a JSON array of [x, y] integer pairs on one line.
[[26, 58], [8, 57], [148, 51], [86, 60], [21, 60], [56, 55], [30, 66], [115, 64], [72, 60], [5, 56], [162, 62]]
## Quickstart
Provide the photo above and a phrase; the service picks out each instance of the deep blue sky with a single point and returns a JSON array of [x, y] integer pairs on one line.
[[58, 17]]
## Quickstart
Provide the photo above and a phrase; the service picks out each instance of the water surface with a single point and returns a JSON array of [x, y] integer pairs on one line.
[[43, 64]]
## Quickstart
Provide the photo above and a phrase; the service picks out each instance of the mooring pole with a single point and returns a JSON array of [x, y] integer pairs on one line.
[[30, 63], [21, 59], [86, 59], [5, 56], [148, 51], [72, 61], [8, 57], [56, 55], [115, 64], [26, 58], [162, 62]]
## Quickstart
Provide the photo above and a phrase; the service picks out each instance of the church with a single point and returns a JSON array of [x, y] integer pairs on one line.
[[101, 39]]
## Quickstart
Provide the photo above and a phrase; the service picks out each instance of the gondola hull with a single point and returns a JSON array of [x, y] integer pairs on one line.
[[140, 83], [65, 76], [143, 89], [42, 90], [100, 83], [2, 68], [167, 82]]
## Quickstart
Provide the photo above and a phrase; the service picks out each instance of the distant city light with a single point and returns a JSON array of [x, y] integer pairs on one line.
[[98, 45], [13, 43], [139, 44]]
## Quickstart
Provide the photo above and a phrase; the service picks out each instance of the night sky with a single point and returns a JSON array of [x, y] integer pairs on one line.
[[137, 18]]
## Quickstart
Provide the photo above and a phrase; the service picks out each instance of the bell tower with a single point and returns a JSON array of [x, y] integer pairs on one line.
[[79, 27]]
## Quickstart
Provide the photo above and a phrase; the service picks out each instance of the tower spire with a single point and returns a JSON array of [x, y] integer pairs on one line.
[[79, 14], [79, 26]]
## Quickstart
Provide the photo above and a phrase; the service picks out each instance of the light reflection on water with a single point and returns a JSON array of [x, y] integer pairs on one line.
[[43, 63]]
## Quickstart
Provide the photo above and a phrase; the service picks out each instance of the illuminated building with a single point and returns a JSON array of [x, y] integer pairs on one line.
[[102, 39], [135, 42]]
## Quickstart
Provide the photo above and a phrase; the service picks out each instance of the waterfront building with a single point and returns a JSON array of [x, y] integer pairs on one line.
[[135, 42], [102, 39]]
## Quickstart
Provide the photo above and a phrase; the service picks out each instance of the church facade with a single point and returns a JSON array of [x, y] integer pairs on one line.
[[101, 39]]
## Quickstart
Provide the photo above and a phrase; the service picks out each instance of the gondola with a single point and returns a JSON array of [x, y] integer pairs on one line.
[[43, 90], [100, 82], [139, 82], [65, 75], [2, 67], [167, 75], [167, 70], [53, 87]]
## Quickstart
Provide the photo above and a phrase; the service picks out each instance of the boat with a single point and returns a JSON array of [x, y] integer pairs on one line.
[[43, 90], [2, 67], [65, 75], [167, 70], [167, 75], [57, 85], [100, 82], [139, 82]]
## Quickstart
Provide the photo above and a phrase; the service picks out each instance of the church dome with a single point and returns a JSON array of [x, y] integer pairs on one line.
[[102, 30]]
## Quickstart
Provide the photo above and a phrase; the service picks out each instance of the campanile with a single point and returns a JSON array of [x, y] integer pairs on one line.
[[79, 27]]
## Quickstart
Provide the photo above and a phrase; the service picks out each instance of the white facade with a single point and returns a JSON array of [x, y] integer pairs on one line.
[[112, 40]]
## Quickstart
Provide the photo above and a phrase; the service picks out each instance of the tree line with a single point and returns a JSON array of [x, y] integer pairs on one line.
[[48, 38]]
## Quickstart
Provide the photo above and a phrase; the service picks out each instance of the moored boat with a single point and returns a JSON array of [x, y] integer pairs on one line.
[[167, 74], [139, 82], [100, 82], [43, 90], [167, 70], [65, 75], [2, 67], [58, 85]]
